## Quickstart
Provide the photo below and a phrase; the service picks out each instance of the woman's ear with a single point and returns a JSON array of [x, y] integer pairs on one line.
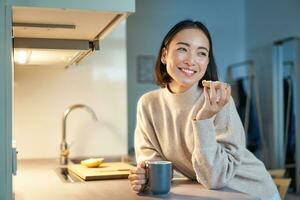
[[163, 55]]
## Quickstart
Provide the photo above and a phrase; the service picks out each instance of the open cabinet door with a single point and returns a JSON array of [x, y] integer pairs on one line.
[[5, 102]]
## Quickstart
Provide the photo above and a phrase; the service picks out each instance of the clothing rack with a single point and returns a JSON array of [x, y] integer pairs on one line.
[[286, 108], [241, 76]]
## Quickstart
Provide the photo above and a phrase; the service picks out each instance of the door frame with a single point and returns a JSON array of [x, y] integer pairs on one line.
[[5, 101]]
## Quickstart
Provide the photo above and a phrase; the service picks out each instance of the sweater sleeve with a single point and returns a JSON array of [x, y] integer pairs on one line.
[[145, 142], [218, 145]]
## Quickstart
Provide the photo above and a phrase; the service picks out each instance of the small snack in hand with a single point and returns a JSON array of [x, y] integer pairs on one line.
[[92, 162], [206, 83]]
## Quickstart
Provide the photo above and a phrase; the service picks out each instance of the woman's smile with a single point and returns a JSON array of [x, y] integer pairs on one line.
[[187, 72]]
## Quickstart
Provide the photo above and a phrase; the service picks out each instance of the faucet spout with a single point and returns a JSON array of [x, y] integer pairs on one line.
[[64, 149]]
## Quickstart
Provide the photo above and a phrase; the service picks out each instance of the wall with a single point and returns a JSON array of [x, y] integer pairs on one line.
[[42, 94], [268, 21], [151, 21]]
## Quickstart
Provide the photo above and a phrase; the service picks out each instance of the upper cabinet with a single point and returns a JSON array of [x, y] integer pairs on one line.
[[61, 36]]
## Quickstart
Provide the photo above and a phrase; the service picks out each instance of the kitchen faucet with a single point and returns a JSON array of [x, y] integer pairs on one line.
[[64, 149]]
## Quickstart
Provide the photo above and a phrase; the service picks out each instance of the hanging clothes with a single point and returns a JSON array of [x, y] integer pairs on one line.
[[254, 143], [252, 129], [290, 130], [290, 123], [241, 99]]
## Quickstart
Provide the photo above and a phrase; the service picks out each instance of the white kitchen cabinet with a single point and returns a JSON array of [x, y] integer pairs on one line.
[[62, 36]]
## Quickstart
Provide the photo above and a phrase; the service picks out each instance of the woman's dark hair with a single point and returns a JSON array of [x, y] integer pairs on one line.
[[162, 78]]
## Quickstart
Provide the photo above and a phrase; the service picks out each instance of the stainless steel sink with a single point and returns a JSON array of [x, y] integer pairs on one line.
[[68, 177]]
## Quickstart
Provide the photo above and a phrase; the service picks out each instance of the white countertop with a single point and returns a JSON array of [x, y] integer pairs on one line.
[[38, 180]]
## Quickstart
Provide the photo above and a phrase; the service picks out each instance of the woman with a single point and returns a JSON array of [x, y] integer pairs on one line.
[[192, 120]]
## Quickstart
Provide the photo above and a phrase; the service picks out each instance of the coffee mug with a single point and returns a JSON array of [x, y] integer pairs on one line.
[[159, 175]]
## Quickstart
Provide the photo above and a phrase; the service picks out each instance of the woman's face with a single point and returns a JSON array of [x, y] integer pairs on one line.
[[186, 58]]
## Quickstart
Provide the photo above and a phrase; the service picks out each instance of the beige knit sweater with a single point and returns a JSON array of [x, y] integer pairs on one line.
[[211, 151]]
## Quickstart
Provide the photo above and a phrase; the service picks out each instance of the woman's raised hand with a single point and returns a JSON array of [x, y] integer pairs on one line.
[[216, 95], [137, 177]]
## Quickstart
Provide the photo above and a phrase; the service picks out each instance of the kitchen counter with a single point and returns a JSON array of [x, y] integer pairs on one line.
[[38, 179]]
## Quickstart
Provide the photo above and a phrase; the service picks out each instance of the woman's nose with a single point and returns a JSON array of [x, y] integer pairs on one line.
[[190, 59]]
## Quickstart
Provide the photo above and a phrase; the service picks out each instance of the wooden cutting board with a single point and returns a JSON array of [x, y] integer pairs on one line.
[[109, 170]]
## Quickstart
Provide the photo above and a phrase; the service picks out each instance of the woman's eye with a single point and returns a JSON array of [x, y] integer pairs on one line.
[[181, 49], [202, 54]]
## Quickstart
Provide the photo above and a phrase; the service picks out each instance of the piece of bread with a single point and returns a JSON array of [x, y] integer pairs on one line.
[[217, 84], [92, 162]]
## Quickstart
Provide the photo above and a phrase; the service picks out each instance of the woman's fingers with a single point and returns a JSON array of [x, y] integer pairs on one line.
[[212, 93], [142, 164], [134, 177], [136, 188], [137, 177], [223, 95], [219, 93], [204, 103], [215, 95], [138, 170], [206, 95], [138, 182], [228, 90]]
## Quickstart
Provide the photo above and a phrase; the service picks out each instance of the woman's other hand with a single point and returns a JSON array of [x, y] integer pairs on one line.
[[216, 94], [137, 177]]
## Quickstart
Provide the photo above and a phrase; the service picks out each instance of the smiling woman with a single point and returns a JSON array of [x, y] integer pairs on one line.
[[194, 115]]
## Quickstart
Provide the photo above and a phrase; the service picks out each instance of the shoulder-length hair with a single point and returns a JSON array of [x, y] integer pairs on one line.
[[161, 76]]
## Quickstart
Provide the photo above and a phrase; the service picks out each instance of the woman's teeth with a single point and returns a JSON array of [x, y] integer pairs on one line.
[[187, 71]]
